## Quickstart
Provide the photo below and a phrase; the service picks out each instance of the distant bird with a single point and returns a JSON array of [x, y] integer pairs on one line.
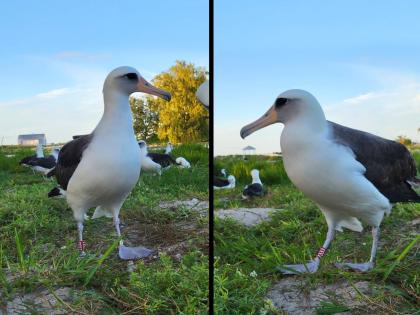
[[223, 183], [256, 188], [147, 163], [182, 162], [169, 148], [45, 164], [39, 154], [349, 173], [223, 172], [164, 160], [100, 169], [203, 93]]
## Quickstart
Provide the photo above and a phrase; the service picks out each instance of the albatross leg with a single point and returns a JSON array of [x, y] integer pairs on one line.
[[367, 265], [128, 253], [81, 245], [311, 266]]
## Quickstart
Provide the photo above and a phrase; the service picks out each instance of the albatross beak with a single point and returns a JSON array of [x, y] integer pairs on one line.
[[146, 87], [269, 118]]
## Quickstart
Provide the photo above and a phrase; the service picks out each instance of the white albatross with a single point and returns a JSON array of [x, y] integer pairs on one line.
[[349, 173], [100, 169], [147, 163], [203, 93]]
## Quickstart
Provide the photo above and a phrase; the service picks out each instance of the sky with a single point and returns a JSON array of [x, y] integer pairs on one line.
[[360, 59], [55, 56]]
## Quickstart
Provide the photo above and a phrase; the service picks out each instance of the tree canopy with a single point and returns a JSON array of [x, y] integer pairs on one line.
[[181, 120]]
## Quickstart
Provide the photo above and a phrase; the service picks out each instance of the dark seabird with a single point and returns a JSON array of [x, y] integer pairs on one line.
[[256, 188], [100, 169], [352, 175], [44, 165], [39, 154], [162, 159], [223, 183]]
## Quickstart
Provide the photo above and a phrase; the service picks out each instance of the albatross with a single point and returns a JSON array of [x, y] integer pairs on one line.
[[100, 169], [352, 175], [147, 163], [255, 189], [203, 94], [39, 154]]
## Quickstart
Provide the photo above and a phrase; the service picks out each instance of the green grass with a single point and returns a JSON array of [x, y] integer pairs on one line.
[[293, 235], [38, 237]]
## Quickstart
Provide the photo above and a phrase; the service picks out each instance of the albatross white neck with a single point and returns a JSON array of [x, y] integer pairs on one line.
[[117, 113]]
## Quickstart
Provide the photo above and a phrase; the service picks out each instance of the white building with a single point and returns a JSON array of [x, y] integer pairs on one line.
[[32, 139]]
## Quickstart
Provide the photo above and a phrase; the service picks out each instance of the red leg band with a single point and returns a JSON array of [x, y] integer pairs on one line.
[[81, 245], [321, 252]]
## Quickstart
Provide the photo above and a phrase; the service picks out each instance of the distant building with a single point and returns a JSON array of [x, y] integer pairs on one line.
[[248, 150], [32, 139]]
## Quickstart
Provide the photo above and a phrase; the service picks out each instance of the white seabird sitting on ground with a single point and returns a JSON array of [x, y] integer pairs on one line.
[[255, 189], [182, 162], [100, 169], [147, 163], [203, 93], [349, 173]]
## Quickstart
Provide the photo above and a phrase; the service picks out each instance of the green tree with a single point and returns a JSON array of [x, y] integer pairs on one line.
[[404, 140], [183, 119], [145, 119]]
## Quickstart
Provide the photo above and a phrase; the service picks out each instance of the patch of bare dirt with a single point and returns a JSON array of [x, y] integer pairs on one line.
[[292, 297]]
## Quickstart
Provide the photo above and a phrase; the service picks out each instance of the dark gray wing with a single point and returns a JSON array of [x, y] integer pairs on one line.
[[253, 190], [46, 162], [389, 165], [220, 182], [27, 159], [69, 158], [163, 159]]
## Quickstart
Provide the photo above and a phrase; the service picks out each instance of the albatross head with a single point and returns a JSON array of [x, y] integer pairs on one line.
[[127, 80], [289, 106], [143, 147]]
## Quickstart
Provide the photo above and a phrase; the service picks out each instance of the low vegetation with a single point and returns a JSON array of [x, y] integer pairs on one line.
[[246, 258], [38, 238]]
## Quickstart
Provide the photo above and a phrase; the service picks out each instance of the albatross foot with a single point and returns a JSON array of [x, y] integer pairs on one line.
[[359, 267], [309, 267], [128, 253]]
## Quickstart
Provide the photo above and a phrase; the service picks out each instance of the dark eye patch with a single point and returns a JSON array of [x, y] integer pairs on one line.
[[132, 76], [281, 101]]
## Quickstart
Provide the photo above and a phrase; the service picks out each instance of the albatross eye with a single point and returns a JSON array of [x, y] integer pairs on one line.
[[281, 101], [132, 76]]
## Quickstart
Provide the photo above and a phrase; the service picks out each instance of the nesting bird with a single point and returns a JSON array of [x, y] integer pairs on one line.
[[100, 169], [147, 163], [255, 189], [224, 183], [44, 164], [39, 154], [352, 175]]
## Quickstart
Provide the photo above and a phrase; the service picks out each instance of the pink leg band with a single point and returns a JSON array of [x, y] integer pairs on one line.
[[81, 245], [321, 252]]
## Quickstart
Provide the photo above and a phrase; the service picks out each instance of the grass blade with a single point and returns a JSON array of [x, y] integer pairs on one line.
[[101, 260], [401, 256]]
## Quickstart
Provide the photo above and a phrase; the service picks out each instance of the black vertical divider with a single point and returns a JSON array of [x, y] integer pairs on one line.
[[211, 153]]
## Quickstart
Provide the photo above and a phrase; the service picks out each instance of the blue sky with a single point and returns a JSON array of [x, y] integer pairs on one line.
[[360, 59], [55, 55]]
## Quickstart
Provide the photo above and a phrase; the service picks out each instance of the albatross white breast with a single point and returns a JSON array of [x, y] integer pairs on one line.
[[100, 169], [352, 175]]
